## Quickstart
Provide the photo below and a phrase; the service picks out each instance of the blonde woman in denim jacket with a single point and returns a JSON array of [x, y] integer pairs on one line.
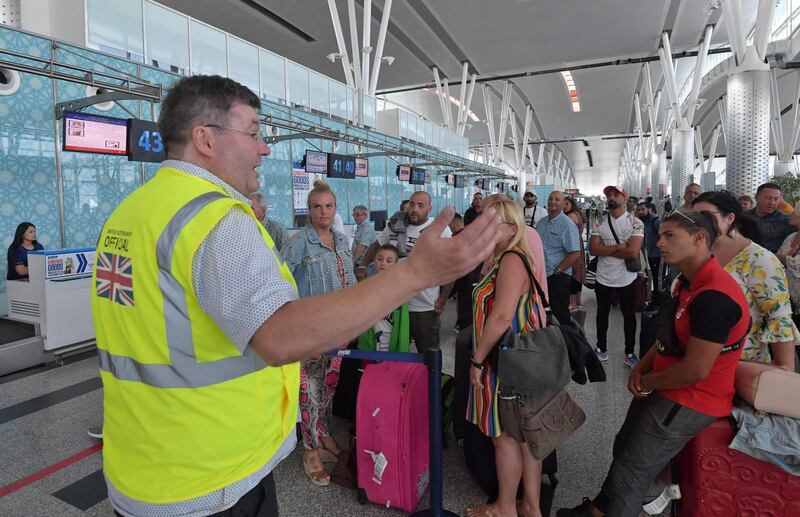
[[321, 262]]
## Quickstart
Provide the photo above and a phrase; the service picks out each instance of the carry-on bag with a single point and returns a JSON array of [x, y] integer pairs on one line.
[[392, 434], [461, 383], [480, 459]]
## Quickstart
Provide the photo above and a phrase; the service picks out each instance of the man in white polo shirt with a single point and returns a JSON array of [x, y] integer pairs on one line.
[[612, 275]]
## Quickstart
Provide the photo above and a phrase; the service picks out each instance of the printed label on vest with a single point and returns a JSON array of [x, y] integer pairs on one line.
[[117, 239]]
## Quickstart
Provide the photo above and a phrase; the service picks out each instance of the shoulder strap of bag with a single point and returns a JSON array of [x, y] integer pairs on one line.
[[611, 225], [534, 282]]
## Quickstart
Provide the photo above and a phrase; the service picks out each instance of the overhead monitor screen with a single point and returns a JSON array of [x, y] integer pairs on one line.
[[362, 167], [417, 176], [461, 182], [316, 162], [341, 166], [404, 172], [450, 179], [87, 133], [427, 176]]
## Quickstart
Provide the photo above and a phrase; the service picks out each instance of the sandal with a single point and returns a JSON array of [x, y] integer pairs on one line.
[[315, 471], [482, 510]]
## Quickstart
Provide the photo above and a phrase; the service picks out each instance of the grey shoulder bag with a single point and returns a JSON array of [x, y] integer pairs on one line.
[[530, 362]]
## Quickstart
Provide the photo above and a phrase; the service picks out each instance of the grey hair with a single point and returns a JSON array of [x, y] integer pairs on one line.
[[361, 209]]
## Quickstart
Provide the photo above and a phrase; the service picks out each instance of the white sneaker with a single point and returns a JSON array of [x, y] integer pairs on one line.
[[96, 431]]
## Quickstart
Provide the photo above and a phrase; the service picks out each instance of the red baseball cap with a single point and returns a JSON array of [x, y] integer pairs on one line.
[[618, 189]]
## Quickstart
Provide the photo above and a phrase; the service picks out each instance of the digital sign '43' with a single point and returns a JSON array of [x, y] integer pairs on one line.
[[145, 143]]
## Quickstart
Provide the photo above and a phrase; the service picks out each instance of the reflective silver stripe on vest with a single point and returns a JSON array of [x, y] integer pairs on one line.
[[183, 371]]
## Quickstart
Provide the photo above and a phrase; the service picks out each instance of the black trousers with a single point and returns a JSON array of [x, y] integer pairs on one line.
[[558, 287], [261, 501], [658, 283], [627, 299]]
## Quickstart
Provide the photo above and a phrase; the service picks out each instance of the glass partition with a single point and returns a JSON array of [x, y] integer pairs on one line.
[[297, 84], [243, 62], [167, 38], [273, 76], [318, 91], [208, 50], [115, 26], [339, 93]]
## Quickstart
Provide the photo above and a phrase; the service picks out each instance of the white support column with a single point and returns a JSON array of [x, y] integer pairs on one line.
[[638, 107], [447, 103], [503, 119], [463, 122], [796, 120], [366, 31], [540, 163], [747, 127], [776, 125], [732, 10], [701, 159], [698, 75], [376, 65], [337, 30], [518, 144], [487, 102], [351, 12], [665, 55], [525, 134], [462, 94], [723, 117], [443, 103], [708, 182], [766, 11]]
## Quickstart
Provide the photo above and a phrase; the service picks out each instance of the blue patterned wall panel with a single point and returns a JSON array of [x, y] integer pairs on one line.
[[276, 184], [94, 184], [377, 183], [23, 43], [28, 189], [31, 107]]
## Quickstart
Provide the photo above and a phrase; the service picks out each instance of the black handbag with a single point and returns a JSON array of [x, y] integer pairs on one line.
[[634, 265], [530, 362], [590, 282]]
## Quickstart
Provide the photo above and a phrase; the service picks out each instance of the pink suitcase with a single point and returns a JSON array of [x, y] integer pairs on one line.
[[392, 434]]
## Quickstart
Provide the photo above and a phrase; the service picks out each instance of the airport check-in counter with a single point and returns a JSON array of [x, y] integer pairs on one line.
[[56, 302]]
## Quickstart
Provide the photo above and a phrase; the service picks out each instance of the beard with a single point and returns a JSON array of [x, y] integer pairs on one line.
[[613, 205]]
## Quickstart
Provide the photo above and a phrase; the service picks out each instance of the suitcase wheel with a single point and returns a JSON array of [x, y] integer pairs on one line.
[[362, 496]]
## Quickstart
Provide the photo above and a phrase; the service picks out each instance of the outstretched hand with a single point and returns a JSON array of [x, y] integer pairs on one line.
[[438, 261]]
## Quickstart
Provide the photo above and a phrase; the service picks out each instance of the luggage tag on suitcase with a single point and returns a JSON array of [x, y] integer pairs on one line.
[[380, 463]]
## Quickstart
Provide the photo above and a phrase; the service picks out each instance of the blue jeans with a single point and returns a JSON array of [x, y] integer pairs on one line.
[[654, 431]]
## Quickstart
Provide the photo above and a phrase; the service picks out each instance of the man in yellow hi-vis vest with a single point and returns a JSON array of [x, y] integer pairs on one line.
[[198, 324]]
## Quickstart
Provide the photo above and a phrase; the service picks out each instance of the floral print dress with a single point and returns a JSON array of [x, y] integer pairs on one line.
[[763, 280]]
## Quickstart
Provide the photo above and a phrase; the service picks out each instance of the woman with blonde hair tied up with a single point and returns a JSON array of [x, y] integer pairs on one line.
[[320, 260], [505, 298]]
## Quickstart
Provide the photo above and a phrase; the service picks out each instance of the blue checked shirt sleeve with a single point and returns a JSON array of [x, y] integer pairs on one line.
[[236, 278], [571, 239]]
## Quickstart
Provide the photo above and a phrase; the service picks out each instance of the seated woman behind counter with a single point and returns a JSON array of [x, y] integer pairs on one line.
[[24, 242]]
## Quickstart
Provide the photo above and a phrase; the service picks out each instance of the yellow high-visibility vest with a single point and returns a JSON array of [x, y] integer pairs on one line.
[[186, 413]]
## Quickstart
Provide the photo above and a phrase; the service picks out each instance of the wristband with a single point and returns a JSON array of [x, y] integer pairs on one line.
[[361, 267], [479, 366]]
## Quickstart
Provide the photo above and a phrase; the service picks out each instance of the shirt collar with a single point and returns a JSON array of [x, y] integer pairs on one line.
[[704, 275], [199, 172]]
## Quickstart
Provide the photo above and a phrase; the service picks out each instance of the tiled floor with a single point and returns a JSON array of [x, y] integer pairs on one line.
[[40, 433]]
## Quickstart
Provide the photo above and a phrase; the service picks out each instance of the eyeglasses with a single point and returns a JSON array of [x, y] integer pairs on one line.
[[254, 135]]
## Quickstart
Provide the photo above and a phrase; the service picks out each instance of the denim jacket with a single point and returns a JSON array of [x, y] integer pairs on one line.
[[314, 265]]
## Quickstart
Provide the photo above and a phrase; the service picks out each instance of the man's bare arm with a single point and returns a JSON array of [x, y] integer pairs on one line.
[[310, 326]]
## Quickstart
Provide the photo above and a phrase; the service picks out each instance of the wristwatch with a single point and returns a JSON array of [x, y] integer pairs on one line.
[[475, 364], [558, 270]]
